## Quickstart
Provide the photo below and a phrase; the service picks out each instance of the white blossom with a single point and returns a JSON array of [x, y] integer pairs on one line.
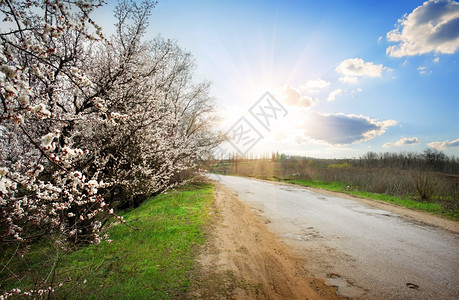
[[74, 126], [9, 71]]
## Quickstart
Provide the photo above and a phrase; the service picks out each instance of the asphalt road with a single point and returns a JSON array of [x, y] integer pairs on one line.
[[368, 253]]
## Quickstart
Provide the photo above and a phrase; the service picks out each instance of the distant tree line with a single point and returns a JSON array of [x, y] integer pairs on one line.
[[429, 160]]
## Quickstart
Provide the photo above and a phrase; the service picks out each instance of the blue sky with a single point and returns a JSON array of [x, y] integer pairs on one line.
[[354, 76]]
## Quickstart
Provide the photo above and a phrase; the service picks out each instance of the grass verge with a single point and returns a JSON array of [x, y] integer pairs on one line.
[[153, 263], [430, 207]]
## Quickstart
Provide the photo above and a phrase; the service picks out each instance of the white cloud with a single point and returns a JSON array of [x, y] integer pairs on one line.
[[408, 141], [431, 27], [315, 84], [444, 145], [300, 140], [355, 91], [349, 79], [404, 141], [423, 70], [292, 96], [332, 95], [356, 67], [436, 59], [341, 129], [380, 39]]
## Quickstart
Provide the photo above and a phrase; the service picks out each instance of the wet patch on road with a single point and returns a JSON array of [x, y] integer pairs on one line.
[[345, 288], [306, 234]]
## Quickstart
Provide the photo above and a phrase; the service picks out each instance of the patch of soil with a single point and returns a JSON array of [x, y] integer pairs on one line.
[[242, 259]]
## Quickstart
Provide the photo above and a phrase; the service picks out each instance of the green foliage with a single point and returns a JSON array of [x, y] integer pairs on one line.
[[151, 263]]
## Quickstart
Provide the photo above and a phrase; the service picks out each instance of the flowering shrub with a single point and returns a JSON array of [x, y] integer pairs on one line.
[[88, 122], [83, 117]]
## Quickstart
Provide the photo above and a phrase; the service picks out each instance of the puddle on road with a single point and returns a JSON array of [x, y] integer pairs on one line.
[[307, 234], [345, 289]]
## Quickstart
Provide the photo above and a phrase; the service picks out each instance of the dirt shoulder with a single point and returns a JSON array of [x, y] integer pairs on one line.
[[244, 260]]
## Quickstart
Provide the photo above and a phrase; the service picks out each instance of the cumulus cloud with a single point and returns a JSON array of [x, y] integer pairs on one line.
[[444, 145], [431, 27], [436, 59], [404, 141], [354, 68], [332, 96], [292, 96], [315, 84], [341, 129]]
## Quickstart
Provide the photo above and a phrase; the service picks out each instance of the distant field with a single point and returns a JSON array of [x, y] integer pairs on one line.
[[434, 192]]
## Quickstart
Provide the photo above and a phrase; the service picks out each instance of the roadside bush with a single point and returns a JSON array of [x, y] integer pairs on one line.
[[426, 184], [83, 115]]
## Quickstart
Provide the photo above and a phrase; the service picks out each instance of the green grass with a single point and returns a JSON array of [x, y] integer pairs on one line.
[[153, 263], [430, 207]]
